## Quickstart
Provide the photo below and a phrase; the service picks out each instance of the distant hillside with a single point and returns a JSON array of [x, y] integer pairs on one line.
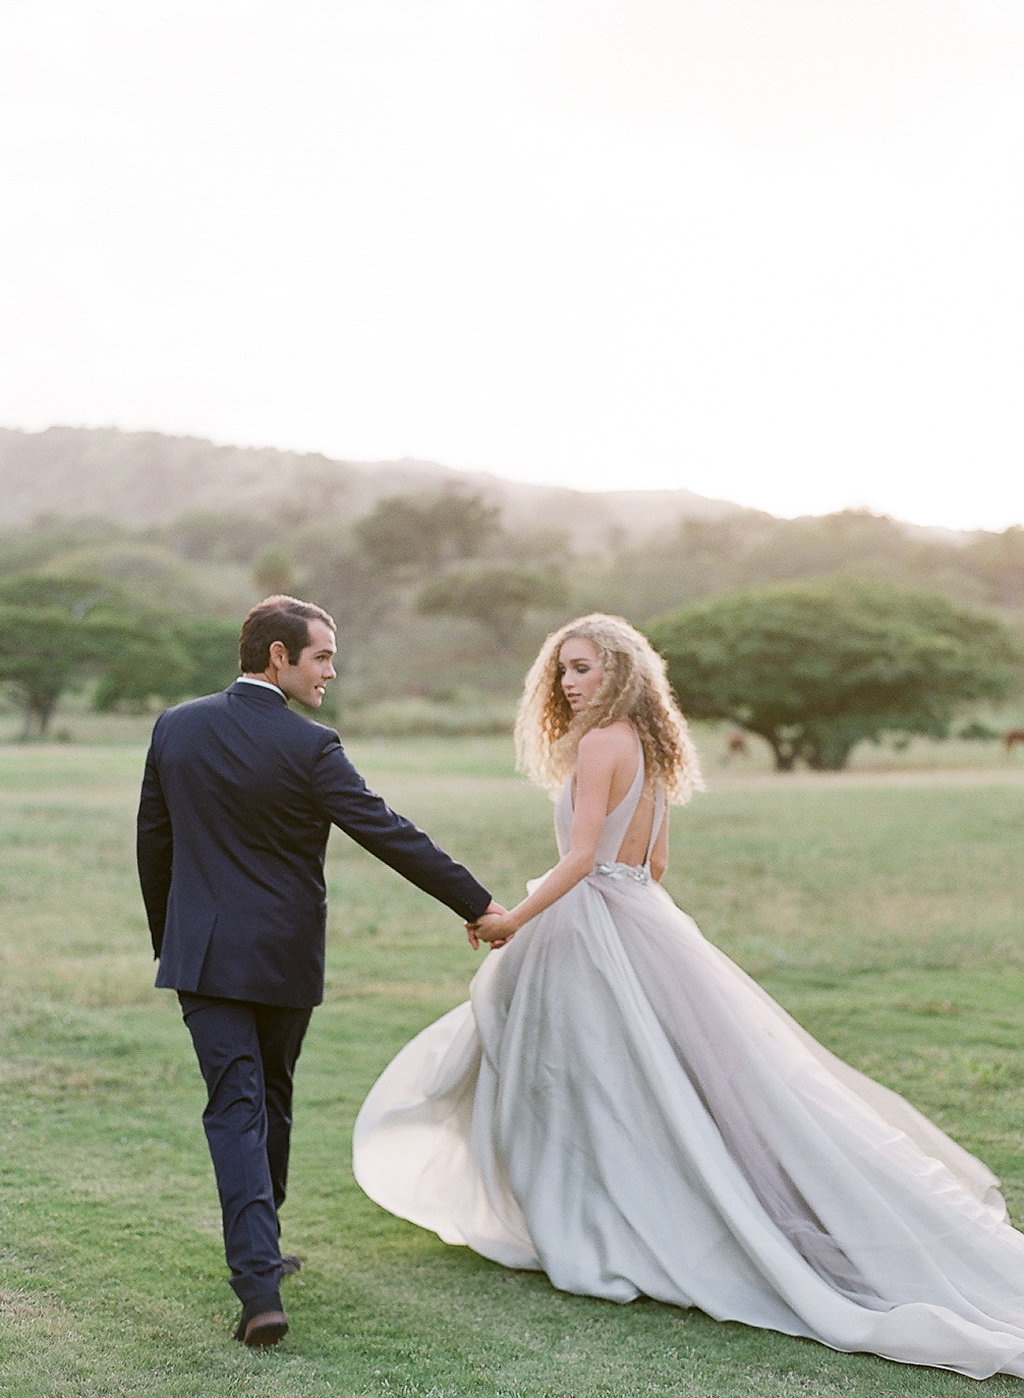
[[141, 478]]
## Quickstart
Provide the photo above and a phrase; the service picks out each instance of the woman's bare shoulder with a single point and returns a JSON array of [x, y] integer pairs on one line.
[[610, 742]]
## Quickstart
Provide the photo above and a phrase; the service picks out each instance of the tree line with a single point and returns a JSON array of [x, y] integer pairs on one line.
[[437, 598]]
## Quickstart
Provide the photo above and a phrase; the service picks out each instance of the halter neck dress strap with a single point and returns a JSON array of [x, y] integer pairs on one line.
[[618, 820]]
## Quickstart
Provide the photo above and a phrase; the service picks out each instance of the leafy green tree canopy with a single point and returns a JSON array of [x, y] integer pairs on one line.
[[58, 632], [426, 531], [177, 658], [215, 536], [147, 574], [274, 572], [497, 597], [816, 667]]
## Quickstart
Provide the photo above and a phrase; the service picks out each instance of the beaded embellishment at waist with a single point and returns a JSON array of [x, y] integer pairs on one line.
[[637, 872]]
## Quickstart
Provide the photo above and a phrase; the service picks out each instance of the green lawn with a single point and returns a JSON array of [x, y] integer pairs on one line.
[[884, 910]]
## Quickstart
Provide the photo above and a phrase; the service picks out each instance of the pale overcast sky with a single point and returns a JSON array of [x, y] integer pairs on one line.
[[767, 250]]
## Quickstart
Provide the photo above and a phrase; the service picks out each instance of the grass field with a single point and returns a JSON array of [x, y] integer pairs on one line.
[[883, 908]]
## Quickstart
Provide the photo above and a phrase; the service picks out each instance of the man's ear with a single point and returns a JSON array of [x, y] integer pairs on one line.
[[278, 654]]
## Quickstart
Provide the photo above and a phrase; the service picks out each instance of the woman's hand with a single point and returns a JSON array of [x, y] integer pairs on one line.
[[493, 927]]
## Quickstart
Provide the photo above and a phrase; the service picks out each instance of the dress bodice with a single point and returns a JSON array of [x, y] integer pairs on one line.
[[617, 821]]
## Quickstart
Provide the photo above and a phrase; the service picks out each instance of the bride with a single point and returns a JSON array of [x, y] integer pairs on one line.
[[619, 1105]]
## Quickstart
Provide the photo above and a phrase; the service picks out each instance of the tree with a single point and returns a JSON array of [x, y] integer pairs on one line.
[[855, 541], [815, 668], [59, 632], [42, 652], [211, 645], [31, 547], [215, 536], [147, 574], [998, 560], [274, 572], [497, 597], [426, 531], [199, 656], [359, 594]]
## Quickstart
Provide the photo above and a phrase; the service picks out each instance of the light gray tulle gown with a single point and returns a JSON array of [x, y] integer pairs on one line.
[[619, 1105]]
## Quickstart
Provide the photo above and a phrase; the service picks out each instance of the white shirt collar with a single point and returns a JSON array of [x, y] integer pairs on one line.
[[265, 684]]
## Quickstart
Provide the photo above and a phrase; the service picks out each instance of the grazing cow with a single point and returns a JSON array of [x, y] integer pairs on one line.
[[1012, 737], [737, 743]]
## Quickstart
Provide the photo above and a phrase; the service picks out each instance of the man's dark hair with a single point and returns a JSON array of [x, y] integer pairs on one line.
[[277, 618]]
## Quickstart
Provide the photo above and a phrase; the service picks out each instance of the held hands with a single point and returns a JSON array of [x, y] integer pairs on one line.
[[491, 926]]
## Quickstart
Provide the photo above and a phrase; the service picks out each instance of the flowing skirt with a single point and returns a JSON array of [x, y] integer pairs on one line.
[[619, 1105]]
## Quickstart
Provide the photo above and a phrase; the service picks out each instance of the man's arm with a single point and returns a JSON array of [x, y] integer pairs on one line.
[[153, 848], [366, 818]]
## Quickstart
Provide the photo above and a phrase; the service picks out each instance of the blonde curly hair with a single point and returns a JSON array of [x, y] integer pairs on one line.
[[634, 687]]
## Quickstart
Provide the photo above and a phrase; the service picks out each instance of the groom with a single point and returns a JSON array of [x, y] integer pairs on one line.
[[238, 798]]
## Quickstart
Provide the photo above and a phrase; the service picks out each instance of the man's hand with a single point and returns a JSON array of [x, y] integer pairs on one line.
[[491, 926]]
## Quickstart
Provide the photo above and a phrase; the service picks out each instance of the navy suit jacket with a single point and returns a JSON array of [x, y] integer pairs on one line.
[[238, 798]]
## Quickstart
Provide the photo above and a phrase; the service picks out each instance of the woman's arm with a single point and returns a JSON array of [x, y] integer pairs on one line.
[[600, 753], [659, 854]]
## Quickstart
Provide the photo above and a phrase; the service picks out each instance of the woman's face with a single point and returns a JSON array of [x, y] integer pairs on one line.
[[580, 671]]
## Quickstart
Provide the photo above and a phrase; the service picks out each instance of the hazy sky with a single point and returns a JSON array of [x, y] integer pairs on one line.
[[767, 250]]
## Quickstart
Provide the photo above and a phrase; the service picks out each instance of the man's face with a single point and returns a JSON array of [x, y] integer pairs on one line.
[[307, 679]]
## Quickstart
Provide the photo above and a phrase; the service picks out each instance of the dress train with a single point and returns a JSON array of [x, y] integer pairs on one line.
[[619, 1105]]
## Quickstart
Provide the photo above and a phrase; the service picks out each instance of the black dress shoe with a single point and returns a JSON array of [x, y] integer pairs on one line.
[[290, 1264], [262, 1322], [265, 1328]]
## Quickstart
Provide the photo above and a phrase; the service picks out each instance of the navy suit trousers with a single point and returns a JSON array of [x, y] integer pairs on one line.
[[247, 1054]]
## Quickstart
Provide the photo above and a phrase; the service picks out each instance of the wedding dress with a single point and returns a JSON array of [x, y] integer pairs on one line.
[[619, 1105]]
